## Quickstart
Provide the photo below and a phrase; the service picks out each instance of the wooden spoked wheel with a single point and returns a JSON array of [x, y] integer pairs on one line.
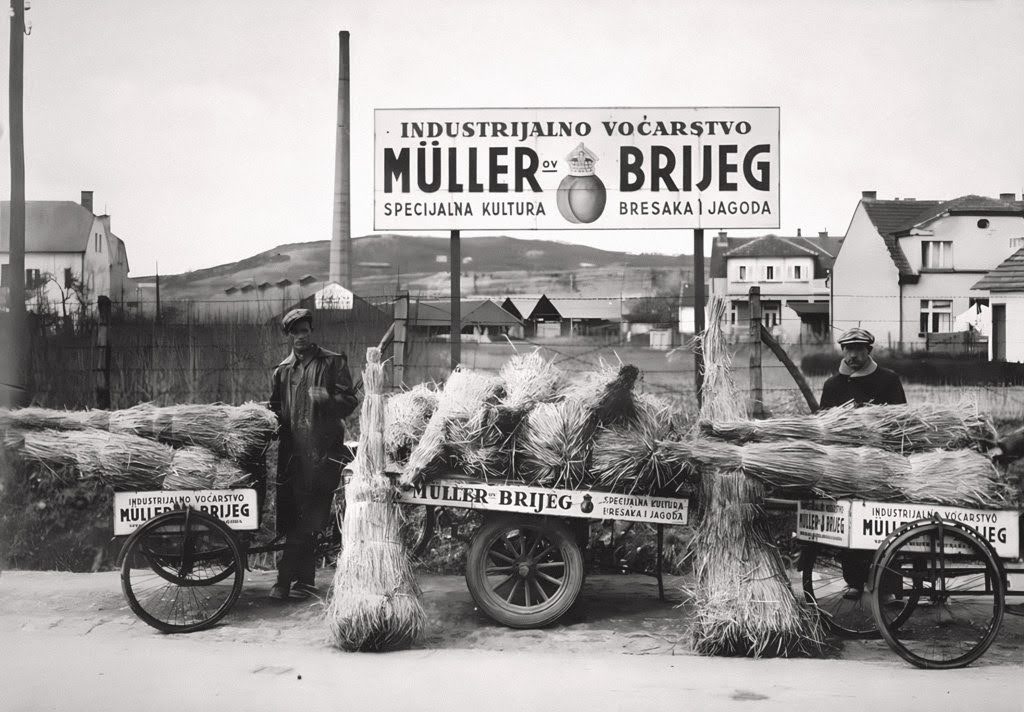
[[523, 571]]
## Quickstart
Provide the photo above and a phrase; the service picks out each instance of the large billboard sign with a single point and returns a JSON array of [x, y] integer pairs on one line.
[[570, 169]]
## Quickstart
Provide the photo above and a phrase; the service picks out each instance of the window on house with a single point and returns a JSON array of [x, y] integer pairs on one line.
[[771, 315], [69, 278], [1016, 243], [743, 273], [983, 223], [936, 255], [5, 275], [32, 278], [769, 273], [936, 315], [733, 313], [797, 272]]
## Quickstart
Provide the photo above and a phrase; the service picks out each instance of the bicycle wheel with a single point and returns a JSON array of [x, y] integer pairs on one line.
[[821, 570], [182, 571], [524, 572], [959, 583]]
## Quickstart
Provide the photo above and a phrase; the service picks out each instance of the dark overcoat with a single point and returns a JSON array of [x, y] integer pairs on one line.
[[312, 451]]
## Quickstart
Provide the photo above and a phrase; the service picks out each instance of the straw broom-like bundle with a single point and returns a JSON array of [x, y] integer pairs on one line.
[[47, 419], [529, 379], [556, 443], [478, 444], [405, 417], [374, 603], [744, 605], [900, 428], [464, 394]]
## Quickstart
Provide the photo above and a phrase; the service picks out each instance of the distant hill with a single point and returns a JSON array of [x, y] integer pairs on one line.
[[491, 265]]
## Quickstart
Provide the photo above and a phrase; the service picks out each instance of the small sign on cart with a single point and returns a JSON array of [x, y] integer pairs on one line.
[[235, 507]]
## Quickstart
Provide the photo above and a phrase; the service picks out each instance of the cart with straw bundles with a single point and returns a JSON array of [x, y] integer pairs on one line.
[[531, 452], [915, 487]]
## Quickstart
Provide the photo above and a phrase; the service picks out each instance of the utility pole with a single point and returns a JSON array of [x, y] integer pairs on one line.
[[15, 376]]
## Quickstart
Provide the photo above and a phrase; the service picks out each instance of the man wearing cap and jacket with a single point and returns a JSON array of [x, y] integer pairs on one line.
[[863, 382], [311, 392]]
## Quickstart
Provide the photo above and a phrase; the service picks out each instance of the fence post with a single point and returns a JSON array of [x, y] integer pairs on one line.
[[102, 370], [398, 346], [756, 398]]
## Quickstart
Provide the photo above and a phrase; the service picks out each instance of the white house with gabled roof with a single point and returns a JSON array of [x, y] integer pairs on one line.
[[908, 267], [66, 245]]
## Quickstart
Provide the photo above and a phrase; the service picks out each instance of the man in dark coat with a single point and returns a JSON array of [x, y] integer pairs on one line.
[[863, 382], [311, 393]]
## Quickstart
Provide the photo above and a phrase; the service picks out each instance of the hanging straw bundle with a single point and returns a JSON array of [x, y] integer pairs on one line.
[[901, 428], [744, 604], [374, 603], [406, 415], [465, 393], [743, 601], [198, 468]]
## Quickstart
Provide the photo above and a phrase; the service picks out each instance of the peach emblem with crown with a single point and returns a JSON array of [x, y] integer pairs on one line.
[[581, 195]]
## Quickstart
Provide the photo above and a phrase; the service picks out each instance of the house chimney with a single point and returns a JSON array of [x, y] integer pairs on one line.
[[87, 200], [799, 233], [340, 262], [722, 233], [868, 195], [823, 233], [1008, 196]]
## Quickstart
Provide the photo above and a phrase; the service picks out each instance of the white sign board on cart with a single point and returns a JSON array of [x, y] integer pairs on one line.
[[235, 507], [576, 168], [857, 524], [549, 502]]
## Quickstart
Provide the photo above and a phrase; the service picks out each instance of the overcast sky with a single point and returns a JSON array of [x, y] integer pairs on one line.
[[207, 129]]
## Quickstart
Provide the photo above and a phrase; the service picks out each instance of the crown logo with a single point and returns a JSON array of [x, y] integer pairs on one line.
[[581, 161]]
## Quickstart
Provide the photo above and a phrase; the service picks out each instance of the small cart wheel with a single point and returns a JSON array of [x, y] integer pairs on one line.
[[525, 571], [959, 584], [182, 571], [821, 570]]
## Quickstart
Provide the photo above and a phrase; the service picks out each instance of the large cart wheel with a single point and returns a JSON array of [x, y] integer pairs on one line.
[[959, 583], [821, 571], [182, 571], [524, 571]]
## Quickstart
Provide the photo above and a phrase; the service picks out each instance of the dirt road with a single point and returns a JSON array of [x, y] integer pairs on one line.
[[70, 642]]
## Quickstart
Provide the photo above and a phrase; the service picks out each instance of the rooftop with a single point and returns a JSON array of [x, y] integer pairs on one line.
[[1007, 277]]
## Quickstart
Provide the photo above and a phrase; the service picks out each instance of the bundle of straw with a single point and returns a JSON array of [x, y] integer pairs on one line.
[[900, 428], [374, 602], [555, 444], [198, 468], [47, 419], [744, 604], [123, 462], [954, 477], [635, 458], [477, 443], [529, 379], [405, 418], [236, 432], [465, 393]]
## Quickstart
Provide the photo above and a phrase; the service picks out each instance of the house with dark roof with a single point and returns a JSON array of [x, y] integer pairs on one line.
[[482, 319], [908, 268], [792, 273], [1004, 287], [71, 257]]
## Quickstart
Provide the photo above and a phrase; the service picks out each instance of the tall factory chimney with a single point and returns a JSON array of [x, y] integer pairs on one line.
[[341, 234]]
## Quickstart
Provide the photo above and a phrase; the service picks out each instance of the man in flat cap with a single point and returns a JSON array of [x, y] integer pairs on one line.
[[311, 393], [863, 382], [860, 379]]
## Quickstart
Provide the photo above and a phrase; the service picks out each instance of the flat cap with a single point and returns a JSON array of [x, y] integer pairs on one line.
[[295, 316], [856, 336]]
